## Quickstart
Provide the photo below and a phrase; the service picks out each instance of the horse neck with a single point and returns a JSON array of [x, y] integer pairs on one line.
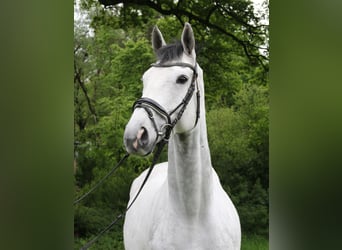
[[189, 171]]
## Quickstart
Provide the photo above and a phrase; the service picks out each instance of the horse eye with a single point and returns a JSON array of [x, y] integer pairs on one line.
[[182, 79]]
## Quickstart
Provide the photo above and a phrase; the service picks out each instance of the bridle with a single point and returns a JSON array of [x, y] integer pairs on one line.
[[149, 104]]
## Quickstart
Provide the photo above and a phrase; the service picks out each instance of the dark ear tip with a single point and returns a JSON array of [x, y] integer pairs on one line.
[[155, 29], [157, 38], [187, 26], [188, 39]]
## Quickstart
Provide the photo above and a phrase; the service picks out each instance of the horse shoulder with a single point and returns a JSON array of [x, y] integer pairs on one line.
[[139, 218], [156, 179], [225, 219]]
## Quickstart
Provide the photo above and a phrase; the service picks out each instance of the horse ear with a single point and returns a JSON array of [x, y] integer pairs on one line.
[[157, 39], [188, 39]]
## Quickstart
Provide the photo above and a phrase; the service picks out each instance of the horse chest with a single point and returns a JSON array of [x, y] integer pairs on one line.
[[215, 230], [159, 224], [173, 233]]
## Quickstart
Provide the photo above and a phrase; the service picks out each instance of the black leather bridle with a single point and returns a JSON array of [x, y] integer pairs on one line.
[[149, 104]]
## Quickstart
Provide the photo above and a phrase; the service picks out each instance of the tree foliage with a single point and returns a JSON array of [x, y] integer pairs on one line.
[[238, 139], [110, 54], [234, 19]]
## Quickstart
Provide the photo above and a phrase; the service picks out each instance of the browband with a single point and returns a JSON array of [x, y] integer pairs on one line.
[[180, 64]]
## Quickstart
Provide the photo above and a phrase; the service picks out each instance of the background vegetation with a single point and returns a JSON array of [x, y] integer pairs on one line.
[[111, 51]]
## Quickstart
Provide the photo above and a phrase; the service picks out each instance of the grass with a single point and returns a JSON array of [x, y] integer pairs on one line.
[[114, 241], [108, 241], [254, 242]]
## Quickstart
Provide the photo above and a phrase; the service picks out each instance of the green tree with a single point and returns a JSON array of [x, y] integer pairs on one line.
[[233, 18], [105, 92], [238, 139]]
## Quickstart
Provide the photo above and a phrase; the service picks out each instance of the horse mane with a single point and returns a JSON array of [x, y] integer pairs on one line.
[[170, 52]]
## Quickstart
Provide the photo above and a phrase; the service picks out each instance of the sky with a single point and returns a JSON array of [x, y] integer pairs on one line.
[[258, 7], [77, 13]]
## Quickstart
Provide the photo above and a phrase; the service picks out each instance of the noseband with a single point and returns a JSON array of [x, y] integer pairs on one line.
[[149, 104]]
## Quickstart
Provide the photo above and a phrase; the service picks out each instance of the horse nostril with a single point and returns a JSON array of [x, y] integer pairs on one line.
[[144, 136], [141, 138]]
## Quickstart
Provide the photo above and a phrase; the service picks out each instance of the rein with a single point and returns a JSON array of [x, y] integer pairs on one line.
[[122, 215], [123, 159], [165, 131]]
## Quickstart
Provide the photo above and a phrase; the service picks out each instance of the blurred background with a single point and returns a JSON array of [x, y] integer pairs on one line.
[[38, 180]]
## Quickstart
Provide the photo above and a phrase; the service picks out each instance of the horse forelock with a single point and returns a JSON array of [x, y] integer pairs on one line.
[[170, 52]]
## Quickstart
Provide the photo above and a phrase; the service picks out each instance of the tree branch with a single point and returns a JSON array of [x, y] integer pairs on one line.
[[77, 78], [178, 12], [239, 19], [210, 12]]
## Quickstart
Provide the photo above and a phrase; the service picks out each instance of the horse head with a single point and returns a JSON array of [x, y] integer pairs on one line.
[[168, 101]]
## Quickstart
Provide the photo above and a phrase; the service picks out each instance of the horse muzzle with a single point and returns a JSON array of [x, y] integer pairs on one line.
[[139, 137]]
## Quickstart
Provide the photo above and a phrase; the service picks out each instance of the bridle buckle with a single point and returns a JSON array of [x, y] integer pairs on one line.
[[164, 128]]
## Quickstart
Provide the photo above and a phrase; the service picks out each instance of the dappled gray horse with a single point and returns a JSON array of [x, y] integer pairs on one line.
[[183, 205]]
